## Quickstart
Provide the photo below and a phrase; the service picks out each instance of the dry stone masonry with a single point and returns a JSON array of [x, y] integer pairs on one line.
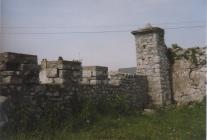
[[163, 76], [60, 72], [60, 83], [152, 61], [18, 68], [95, 75]]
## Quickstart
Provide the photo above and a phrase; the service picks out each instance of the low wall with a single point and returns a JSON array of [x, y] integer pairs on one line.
[[33, 99], [25, 95], [134, 87]]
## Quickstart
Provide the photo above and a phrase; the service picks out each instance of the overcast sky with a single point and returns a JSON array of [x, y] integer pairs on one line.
[[73, 28]]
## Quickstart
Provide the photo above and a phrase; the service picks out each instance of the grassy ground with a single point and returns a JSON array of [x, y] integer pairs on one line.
[[183, 123]]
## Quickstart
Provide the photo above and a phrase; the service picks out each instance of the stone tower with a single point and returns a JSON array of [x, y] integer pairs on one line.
[[152, 61]]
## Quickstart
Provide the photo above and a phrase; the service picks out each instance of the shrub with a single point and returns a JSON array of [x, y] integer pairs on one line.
[[77, 112]]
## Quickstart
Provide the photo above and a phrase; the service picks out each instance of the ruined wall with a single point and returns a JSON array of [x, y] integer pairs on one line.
[[23, 92], [134, 87], [188, 67], [95, 75], [18, 68], [159, 72], [152, 61], [60, 72], [33, 101]]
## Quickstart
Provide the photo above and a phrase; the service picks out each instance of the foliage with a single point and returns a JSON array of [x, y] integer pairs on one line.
[[181, 123], [176, 53], [49, 115], [190, 54], [176, 46]]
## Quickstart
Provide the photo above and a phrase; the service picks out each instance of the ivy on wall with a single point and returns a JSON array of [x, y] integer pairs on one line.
[[176, 53]]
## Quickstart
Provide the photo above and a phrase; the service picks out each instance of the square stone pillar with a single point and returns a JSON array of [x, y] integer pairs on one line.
[[152, 61]]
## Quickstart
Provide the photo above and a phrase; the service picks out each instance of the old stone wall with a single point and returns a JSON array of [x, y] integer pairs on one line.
[[18, 68], [133, 87], [188, 72], [95, 75], [60, 72], [33, 95], [163, 76], [34, 100]]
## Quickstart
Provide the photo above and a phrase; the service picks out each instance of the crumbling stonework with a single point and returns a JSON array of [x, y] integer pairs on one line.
[[162, 76], [60, 72], [18, 68], [60, 84], [188, 68], [152, 61], [95, 75]]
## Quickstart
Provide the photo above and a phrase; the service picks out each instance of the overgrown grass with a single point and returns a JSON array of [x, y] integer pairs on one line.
[[182, 123]]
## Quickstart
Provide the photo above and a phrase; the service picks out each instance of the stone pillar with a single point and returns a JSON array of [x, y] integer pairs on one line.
[[152, 61]]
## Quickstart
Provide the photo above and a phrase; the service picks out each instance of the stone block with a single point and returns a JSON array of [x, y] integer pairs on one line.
[[10, 80], [30, 80], [52, 73], [9, 66], [65, 73], [148, 112], [85, 81], [29, 67], [9, 57], [60, 81], [3, 66], [9, 73], [77, 74], [87, 73], [71, 65]]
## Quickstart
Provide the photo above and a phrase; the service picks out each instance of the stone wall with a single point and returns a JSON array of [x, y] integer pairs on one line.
[[134, 87], [162, 76], [95, 75], [152, 61], [18, 68], [34, 95], [188, 71], [135, 92], [60, 72]]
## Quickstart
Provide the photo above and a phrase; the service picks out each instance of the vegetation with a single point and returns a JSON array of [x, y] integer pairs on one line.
[[180, 123], [74, 113], [179, 53]]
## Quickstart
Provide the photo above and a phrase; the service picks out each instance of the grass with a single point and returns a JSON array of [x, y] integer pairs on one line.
[[182, 123]]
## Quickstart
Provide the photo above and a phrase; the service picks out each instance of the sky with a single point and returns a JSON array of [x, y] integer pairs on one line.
[[78, 29]]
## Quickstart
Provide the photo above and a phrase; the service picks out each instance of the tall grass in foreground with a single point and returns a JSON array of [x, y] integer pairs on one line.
[[182, 123]]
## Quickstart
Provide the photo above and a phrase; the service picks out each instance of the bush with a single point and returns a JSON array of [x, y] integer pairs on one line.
[[77, 112]]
